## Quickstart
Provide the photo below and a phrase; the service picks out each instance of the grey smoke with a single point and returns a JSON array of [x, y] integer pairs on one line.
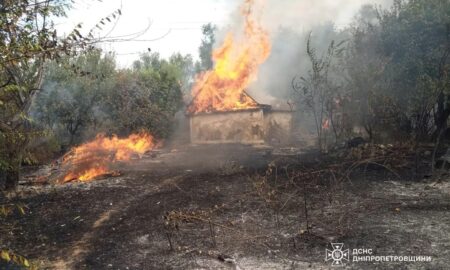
[[289, 24]]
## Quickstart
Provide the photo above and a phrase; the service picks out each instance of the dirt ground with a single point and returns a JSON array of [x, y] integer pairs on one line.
[[213, 208]]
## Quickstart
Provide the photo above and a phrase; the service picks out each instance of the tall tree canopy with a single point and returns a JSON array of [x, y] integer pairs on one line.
[[27, 40], [206, 48]]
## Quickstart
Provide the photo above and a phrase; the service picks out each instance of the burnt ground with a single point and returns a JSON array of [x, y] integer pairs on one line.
[[212, 203]]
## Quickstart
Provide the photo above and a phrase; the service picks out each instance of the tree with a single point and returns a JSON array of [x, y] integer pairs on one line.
[[318, 91], [415, 36], [363, 69], [148, 96], [185, 70], [396, 66], [72, 91], [206, 48], [27, 40], [85, 95]]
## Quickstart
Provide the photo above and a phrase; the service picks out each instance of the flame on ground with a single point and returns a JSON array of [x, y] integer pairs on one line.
[[236, 64], [93, 159]]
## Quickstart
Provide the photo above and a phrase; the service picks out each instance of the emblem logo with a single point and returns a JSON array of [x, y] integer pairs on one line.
[[338, 255]]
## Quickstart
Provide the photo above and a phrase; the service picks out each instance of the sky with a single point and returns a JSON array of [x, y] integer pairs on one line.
[[175, 25]]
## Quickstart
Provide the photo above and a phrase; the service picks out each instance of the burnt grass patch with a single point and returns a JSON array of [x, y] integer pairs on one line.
[[281, 215]]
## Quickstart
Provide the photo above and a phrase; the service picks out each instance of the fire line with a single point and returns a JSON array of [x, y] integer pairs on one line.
[[93, 159]]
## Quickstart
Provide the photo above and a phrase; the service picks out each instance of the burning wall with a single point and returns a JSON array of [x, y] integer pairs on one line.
[[252, 126], [246, 126], [221, 111]]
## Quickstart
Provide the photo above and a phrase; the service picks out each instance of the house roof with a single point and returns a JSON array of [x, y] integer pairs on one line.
[[244, 95]]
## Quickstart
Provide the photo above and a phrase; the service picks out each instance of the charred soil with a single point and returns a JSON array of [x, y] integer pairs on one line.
[[230, 208]]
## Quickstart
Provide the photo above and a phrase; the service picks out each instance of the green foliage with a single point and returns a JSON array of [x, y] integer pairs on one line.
[[415, 36], [396, 68], [43, 149], [148, 96], [73, 89], [401, 55], [364, 72], [86, 95], [185, 69], [27, 40], [206, 48]]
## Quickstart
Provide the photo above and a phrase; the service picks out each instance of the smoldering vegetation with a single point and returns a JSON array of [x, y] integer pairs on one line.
[[373, 69], [340, 65], [87, 95]]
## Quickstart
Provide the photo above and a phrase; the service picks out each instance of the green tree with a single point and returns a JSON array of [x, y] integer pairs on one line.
[[364, 71], [72, 92], [206, 48], [148, 96], [415, 36], [397, 68], [185, 70], [27, 40]]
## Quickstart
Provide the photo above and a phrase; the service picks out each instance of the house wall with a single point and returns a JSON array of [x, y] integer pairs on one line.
[[278, 127], [228, 127]]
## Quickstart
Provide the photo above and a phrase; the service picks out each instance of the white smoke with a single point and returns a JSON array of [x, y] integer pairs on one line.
[[305, 14], [289, 23]]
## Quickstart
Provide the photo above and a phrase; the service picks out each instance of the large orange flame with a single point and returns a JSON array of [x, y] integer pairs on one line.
[[94, 158], [236, 65]]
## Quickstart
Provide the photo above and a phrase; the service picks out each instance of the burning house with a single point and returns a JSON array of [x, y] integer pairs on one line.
[[257, 124], [221, 110]]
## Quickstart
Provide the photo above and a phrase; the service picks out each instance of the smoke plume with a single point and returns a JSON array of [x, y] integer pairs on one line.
[[289, 24]]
